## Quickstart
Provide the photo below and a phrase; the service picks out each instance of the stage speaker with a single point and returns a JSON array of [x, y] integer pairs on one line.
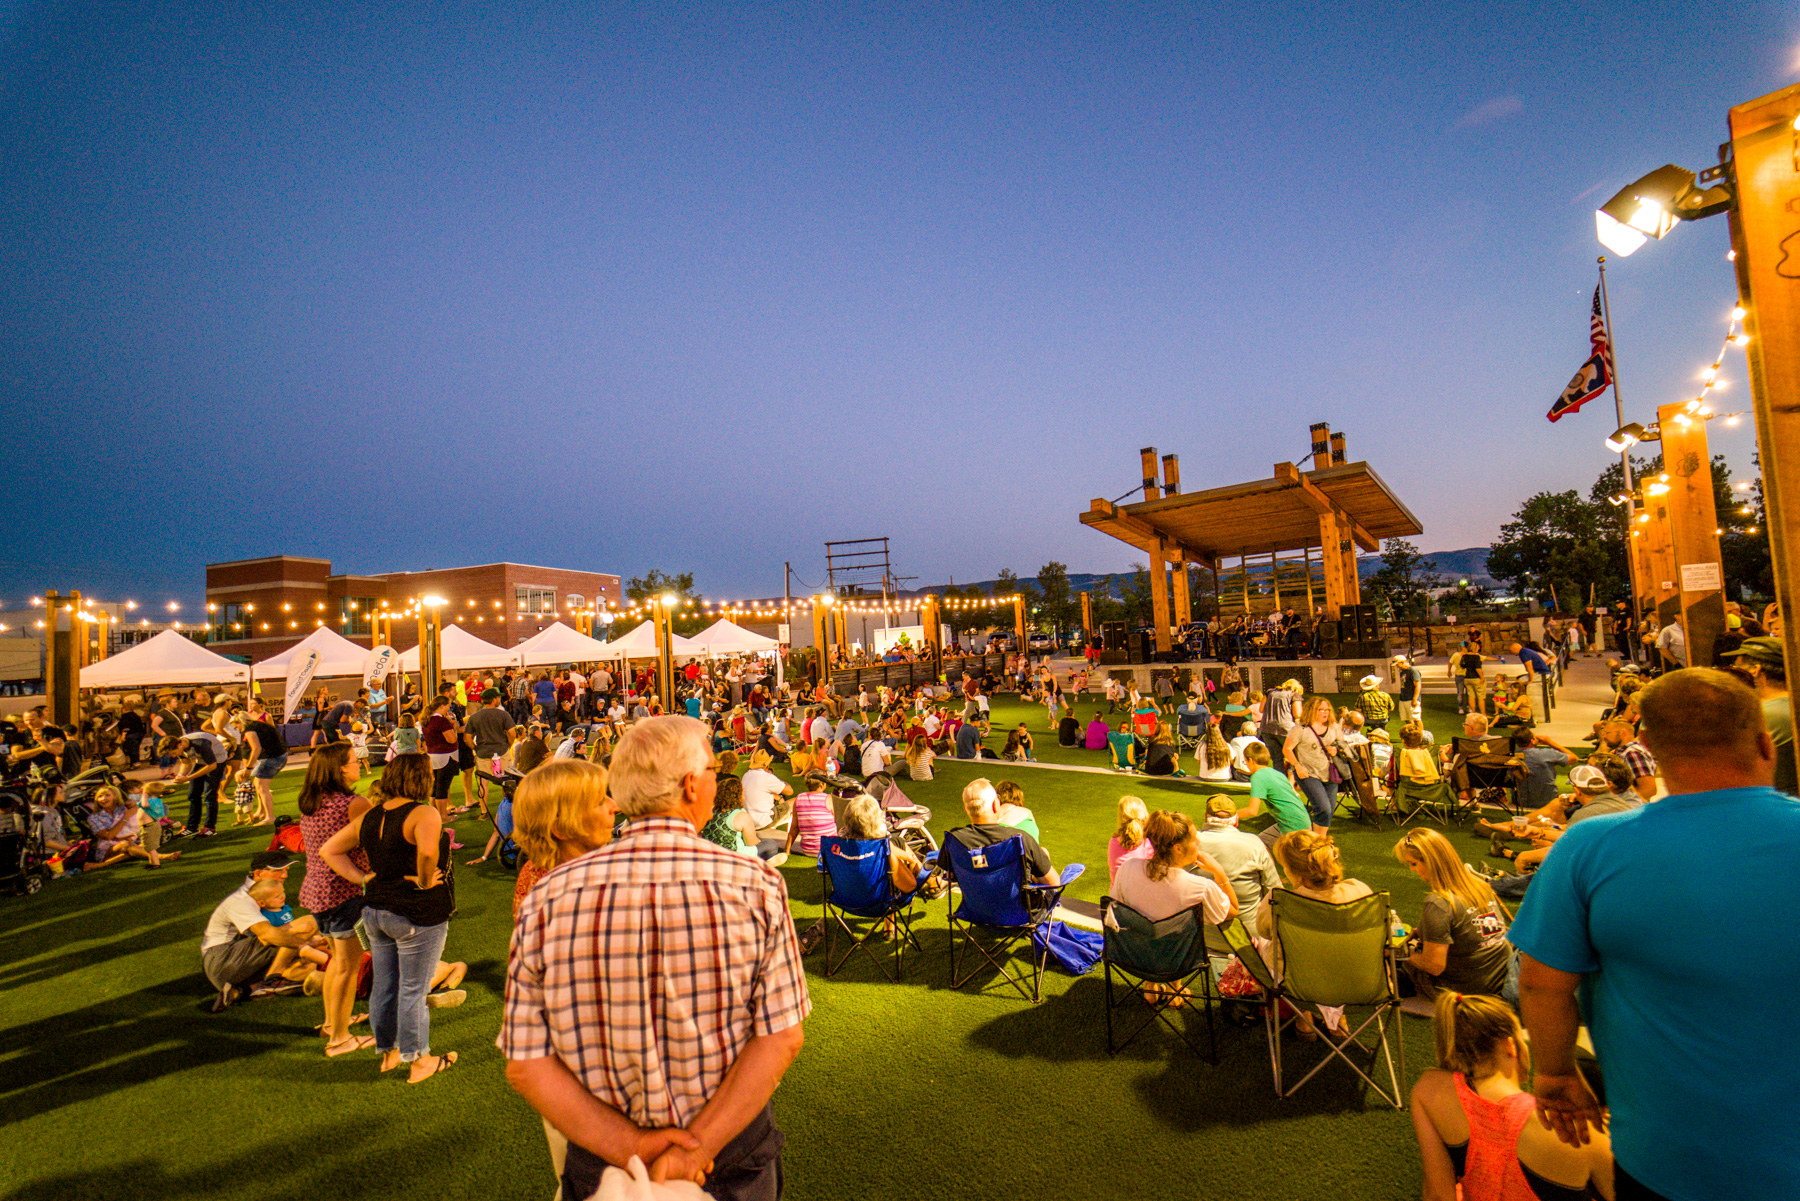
[[1146, 648], [1112, 635], [1326, 634], [1368, 625]]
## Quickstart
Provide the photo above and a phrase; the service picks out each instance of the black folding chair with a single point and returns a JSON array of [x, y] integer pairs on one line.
[[1170, 954]]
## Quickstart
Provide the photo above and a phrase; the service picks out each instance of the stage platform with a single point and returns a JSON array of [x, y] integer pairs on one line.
[[1259, 675]]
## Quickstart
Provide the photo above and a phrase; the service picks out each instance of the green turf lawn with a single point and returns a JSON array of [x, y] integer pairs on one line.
[[113, 1077]]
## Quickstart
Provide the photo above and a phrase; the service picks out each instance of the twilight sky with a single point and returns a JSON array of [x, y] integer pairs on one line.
[[702, 286]]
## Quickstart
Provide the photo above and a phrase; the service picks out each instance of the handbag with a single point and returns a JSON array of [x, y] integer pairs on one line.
[[1331, 768]]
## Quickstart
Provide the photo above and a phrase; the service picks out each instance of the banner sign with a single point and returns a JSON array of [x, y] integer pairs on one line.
[[300, 671], [383, 661]]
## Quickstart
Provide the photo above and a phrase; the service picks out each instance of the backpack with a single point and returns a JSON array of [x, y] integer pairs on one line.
[[287, 836]]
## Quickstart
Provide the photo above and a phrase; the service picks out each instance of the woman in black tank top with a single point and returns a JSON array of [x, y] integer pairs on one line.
[[409, 903]]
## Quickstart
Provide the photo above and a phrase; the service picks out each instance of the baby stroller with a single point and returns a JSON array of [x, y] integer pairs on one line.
[[82, 787], [23, 866]]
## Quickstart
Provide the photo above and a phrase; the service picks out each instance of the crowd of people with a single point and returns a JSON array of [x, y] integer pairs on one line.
[[633, 823]]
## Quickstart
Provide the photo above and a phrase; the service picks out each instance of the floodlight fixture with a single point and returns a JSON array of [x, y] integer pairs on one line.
[[1625, 437], [1657, 203], [435, 601]]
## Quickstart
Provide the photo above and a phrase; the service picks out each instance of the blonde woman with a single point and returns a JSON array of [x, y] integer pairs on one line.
[[1128, 839], [1462, 932], [1212, 759], [561, 811], [1474, 1119], [1310, 861], [1309, 749]]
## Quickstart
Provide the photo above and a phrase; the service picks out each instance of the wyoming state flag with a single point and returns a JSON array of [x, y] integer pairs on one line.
[[1594, 376]]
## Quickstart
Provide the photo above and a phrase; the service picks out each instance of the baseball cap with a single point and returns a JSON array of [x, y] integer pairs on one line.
[[1759, 650], [1588, 778], [263, 861]]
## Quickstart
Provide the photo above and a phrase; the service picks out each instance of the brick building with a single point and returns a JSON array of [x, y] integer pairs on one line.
[[260, 607]]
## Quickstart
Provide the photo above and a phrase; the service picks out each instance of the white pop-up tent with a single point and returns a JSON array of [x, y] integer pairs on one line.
[[167, 658], [724, 637], [641, 644], [560, 644], [458, 649], [338, 656]]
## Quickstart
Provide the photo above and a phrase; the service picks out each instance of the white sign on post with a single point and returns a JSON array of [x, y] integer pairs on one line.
[[1700, 577], [784, 632], [300, 671]]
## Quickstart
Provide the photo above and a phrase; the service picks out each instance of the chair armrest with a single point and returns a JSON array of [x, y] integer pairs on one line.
[[1072, 873]]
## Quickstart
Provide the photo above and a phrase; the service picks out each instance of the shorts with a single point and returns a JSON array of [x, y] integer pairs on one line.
[[465, 759], [340, 920], [243, 960], [267, 769]]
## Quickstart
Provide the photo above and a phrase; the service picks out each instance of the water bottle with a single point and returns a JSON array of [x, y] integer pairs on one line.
[[1396, 927]]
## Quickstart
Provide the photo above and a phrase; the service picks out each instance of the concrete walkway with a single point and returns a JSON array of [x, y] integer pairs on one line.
[[1585, 692]]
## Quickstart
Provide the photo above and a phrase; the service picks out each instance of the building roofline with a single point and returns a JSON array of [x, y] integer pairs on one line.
[[269, 559], [502, 563]]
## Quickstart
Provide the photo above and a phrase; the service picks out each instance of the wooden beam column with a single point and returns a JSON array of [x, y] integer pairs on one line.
[[1331, 554], [1087, 619], [821, 652], [1159, 596], [1659, 558], [1019, 621], [1693, 531], [1184, 602], [1767, 161]]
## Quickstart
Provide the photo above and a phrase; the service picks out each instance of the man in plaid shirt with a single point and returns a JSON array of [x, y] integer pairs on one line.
[[655, 991]]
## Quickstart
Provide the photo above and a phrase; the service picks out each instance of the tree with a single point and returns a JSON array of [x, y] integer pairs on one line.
[[1058, 609], [654, 583], [1405, 578], [1557, 547], [1139, 609]]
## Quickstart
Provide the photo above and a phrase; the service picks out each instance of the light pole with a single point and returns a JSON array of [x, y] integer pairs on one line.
[[665, 648], [431, 625]]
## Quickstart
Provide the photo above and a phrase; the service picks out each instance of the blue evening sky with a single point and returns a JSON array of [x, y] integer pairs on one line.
[[702, 286]]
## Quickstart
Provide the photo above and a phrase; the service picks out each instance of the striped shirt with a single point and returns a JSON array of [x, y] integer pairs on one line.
[[646, 966]]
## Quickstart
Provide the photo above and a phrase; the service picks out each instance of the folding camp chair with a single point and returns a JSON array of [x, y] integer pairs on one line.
[[1356, 794], [1411, 801], [1190, 731], [1172, 953], [998, 896], [1331, 955], [859, 886], [1489, 769]]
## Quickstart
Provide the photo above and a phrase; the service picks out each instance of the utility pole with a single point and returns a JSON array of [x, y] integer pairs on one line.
[[786, 624]]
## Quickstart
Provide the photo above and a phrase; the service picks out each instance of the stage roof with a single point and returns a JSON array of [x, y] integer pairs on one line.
[[1278, 514]]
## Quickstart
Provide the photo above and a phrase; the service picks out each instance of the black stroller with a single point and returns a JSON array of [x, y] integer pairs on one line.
[[23, 857]]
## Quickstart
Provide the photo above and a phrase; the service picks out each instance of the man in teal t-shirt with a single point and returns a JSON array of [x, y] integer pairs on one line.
[[1271, 788], [1689, 1015]]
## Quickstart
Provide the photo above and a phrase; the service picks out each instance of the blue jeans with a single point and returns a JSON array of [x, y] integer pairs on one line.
[[203, 797], [405, 958], [1321, 798]]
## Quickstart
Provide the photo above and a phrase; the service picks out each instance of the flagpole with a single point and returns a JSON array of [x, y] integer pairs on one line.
[[1612, 356]]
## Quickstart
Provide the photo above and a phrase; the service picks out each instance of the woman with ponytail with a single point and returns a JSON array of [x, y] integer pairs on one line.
[[1128, 840], [1474, 1120], [1310, 862], [1161, 885]]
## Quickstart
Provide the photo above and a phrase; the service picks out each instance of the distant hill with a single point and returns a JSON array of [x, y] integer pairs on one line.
[[1453, 565]]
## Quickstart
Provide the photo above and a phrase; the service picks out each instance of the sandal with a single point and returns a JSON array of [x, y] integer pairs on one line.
[[444, 1061], [356, 1042]]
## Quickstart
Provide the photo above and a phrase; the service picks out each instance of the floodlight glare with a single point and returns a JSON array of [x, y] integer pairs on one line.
[[1656, 204], [435, 601], [1625, 437]]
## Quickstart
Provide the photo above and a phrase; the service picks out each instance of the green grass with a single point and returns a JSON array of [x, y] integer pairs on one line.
[[113, 1076]]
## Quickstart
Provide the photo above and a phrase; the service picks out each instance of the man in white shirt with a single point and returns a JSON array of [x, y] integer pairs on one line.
[[242, 947], [1672, 642], [581, 693], [1238, 762], [876, 755], [767, 799]]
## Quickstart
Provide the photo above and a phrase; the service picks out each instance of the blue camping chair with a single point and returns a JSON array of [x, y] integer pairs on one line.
[[1171, 952], [999, 897], [858, 886]]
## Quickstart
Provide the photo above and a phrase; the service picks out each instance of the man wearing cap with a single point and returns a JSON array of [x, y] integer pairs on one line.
[[242, 947], [1766, 662], [1412, 684]]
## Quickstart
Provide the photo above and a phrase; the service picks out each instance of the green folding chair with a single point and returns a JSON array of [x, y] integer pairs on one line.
[[1171, 952], [1337, 955]]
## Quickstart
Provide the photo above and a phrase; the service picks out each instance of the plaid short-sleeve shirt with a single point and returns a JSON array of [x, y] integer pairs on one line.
[[1641, 762], [646, 966]]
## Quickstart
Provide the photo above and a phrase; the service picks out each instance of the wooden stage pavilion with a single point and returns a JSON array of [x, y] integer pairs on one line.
[[1324, 515]]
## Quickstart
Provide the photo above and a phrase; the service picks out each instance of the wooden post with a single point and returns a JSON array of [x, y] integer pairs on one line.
[[1087, 619], [1765, 147], [1347, 559], [1159, 595], [1275, 577], [1659, 558], [1306, 562], [821, 651], [1019, 621], [1337, 448], [1148, 457], [1693, 531], [1331, 555], [1321, 446]]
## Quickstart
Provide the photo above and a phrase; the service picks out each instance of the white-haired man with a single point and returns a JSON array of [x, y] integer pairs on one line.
[[981, 802], [671, 1056]]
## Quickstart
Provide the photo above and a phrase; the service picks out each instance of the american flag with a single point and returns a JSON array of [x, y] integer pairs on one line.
[[1595, 375]]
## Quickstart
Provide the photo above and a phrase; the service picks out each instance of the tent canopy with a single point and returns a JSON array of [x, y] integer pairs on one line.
[[724, 637], [338, 656], [641, 644], [167, 658], [559, 644], [458, 649]]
